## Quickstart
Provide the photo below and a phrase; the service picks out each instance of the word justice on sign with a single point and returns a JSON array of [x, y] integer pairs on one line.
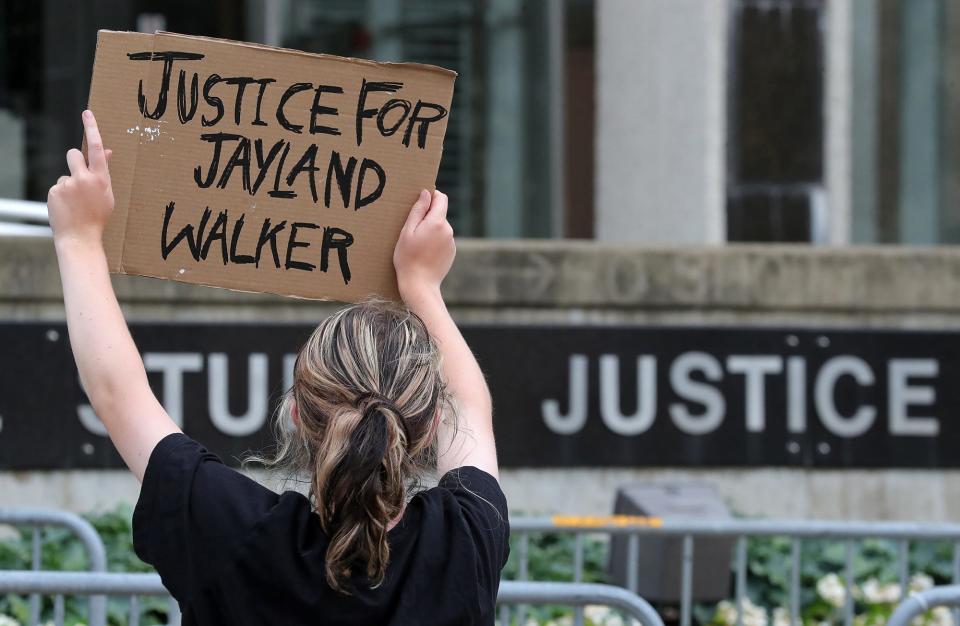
[[173, 366], [694, 378]]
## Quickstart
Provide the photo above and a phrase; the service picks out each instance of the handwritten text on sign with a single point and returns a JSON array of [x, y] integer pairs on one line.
[[270, 159]]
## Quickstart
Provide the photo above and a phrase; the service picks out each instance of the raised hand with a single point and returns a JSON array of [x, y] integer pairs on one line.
[[80, 204], [425, 249]]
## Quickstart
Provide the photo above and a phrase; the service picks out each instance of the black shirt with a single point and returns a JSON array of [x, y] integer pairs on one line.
[[234, 552]]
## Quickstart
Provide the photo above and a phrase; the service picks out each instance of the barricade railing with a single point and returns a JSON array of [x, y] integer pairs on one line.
[[920, 602], [93, 584], [633, 527], [36, 519], [23, 218], [577, 595], [135, 586]]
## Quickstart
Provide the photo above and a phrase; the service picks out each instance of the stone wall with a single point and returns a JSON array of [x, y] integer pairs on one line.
[[586, 282]]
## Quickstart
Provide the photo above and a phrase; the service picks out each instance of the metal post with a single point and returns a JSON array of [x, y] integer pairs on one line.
[[903, 565], [795, 583], [633, 562], [35, 566], [686, 601], [578, 574], [524, 572], [174, 612], [956, 577], [134, 611], [741, 577], [848, 584], [58, 609]]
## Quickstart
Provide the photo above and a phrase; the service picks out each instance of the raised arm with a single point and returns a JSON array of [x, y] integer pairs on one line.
[[110, 367], [423, 256]]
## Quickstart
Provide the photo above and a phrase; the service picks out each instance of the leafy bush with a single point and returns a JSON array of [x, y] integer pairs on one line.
[[875, 568], [550, 558], [60, 550]]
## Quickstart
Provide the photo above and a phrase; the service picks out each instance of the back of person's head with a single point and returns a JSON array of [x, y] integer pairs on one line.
[[366, 399]]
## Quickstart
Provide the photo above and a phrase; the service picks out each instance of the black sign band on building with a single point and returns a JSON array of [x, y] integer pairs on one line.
[[563, 396]]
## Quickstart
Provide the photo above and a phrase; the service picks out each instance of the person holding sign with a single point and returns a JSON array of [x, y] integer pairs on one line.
[[369, 412]]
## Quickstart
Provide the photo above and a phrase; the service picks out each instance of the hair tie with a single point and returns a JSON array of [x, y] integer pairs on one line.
[[374, 402]]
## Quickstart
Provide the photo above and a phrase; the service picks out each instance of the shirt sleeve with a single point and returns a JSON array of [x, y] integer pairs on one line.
[[192, 513], [484, 508]]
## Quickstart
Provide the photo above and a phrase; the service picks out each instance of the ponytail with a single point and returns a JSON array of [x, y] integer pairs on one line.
[[360, 487], [368, 390]]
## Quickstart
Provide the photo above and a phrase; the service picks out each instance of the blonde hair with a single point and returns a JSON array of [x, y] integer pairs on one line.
[[369, 393]]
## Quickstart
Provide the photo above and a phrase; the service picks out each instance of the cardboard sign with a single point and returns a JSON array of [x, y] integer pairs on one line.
[[262, 169]]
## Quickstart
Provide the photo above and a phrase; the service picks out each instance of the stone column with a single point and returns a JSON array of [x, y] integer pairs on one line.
[[661, 121]]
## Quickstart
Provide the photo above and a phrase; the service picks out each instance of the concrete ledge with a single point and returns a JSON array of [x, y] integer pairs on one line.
[[563, 273]]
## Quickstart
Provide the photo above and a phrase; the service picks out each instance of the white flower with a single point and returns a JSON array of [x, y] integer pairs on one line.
[[781, 617], [920, 582], [725, 613], [876, 593], [6, 620], [603, 615], [831, 589], [941, 616], [753, 615]]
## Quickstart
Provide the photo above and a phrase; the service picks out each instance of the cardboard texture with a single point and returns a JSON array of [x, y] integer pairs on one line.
[[263, 169]]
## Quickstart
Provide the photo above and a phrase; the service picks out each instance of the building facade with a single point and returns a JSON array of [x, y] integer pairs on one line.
[[717, 319]]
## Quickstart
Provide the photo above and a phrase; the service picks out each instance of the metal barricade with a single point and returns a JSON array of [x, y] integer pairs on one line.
[[93, 584], [578, 595], [36, 519], [61, 584], [633, 526], [920, 602]]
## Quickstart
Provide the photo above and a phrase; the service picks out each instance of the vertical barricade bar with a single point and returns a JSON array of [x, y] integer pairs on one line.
[[578, 558], [524, 572], [848, 584], [956, 577], [578, 574], [174, 612], [686, 592], [795, 582], [58, 609], [903, 565], [633, 562], [741, 577], [134, 611], [35, 566]]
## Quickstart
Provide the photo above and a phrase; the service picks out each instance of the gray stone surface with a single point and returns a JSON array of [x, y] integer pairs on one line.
[[570, 282], [566, 274]]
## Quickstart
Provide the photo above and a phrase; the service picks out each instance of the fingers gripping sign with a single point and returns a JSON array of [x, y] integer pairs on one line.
[[425, 249], [80, 204]]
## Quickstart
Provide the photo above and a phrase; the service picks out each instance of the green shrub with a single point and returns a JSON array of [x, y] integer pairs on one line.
[[550, 558], [60, 550]]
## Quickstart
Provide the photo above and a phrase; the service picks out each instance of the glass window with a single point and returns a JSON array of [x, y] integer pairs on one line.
[[495, 165], [775, 151], [46, 57], [906, 183], [498, 166]]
